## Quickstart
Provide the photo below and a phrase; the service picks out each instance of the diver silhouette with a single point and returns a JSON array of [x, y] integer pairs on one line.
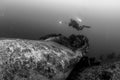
[[73, 23]]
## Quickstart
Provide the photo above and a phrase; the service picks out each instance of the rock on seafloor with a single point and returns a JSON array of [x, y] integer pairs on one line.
[[22, 59], [109, 71]]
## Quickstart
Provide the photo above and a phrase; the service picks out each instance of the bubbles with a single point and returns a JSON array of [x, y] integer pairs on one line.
[[78, 19], [60, 22]]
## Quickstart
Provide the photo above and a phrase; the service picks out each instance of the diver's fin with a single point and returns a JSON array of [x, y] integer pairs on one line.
[[86, 26]]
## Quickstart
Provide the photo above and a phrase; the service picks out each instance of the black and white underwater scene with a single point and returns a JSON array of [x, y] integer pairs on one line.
[[59, 39]]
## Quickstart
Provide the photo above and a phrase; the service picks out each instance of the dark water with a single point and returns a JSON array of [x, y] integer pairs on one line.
[[30, 19]]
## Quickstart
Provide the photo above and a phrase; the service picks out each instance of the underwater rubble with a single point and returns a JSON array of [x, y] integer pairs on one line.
[[35, 60], [108, 71], [74, 42]]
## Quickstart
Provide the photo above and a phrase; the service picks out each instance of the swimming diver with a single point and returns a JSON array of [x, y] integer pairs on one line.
[[73, 23]]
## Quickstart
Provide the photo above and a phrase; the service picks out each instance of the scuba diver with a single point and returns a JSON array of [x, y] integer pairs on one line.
[[73, 23]]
